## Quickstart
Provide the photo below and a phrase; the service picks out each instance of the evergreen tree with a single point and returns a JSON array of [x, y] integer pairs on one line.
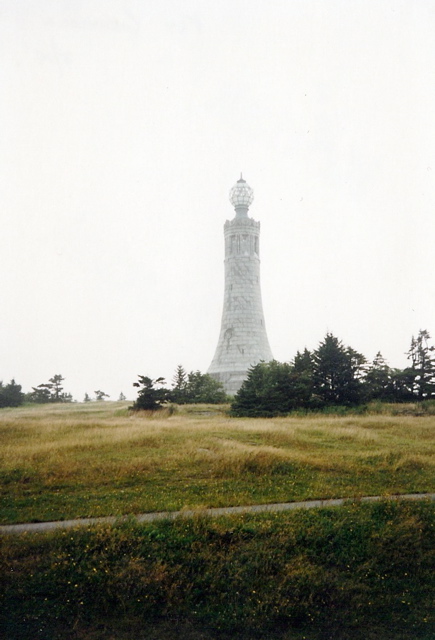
[[401, 388], [337, 373], [149, 397], [201, 388], [252, 399], [273, 388], [179, 389], [10, 394], [100, 395], [422, 365], [56, 387], [303, 378], [40, 394], [379, 380], [51, 391], [303, 362], [196, 387]]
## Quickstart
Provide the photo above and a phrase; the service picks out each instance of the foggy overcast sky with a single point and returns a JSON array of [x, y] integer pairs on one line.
[[123, 125]]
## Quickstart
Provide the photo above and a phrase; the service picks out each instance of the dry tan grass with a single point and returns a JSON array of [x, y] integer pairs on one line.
[[207, 457], [34, 435]]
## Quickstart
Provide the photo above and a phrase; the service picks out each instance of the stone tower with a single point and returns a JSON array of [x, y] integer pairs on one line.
[[243, 340]]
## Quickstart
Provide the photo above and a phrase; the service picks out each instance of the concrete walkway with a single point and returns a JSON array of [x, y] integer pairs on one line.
[[36, 527]]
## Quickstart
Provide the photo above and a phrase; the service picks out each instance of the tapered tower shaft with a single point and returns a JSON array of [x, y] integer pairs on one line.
[[243, 340]]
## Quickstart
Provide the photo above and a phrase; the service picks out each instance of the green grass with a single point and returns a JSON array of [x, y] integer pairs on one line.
[[96, 459], [362, 571]]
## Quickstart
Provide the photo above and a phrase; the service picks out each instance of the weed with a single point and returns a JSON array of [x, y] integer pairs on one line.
[[360, 571]]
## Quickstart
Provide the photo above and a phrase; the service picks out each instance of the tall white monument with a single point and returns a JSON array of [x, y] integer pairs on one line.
[[243, 340]]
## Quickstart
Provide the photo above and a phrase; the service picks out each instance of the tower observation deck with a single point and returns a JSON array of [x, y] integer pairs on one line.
[[243, 340]]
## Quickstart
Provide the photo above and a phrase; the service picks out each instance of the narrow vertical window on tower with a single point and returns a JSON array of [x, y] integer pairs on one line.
[[243, 340]]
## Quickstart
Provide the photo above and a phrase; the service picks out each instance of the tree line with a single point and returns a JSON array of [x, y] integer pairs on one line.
[[194, 388], [335, 375], [331, 375], [11, 395], [187, 388]]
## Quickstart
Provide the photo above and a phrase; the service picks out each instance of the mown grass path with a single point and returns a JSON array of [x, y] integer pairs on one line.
[[37, 527]]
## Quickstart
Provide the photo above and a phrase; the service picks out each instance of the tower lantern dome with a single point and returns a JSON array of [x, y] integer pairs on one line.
[[241, 197]]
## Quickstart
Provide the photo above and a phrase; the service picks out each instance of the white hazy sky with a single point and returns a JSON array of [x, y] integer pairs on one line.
[[123, 125]]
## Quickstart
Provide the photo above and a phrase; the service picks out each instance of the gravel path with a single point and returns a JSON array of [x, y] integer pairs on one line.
[[36, 527]]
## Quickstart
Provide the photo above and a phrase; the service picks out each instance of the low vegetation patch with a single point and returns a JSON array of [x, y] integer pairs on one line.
[[361, 571]]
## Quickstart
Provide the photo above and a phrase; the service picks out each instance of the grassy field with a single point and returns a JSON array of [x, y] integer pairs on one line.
[[78, 460], [361, 571]]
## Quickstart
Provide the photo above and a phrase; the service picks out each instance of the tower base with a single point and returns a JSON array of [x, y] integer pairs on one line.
[[231, 380]]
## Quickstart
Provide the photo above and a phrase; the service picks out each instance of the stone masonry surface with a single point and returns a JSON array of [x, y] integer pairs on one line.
[[243, 340]]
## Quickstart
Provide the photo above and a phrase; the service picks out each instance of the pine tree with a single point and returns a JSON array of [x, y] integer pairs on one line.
[[149, 397], [379, 379], [51, 391], [337, 373], [10, 394], [201, 388], [179, 389], [273, 388], [303, 379], [252, 399], [422, 365], [100, 395]]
